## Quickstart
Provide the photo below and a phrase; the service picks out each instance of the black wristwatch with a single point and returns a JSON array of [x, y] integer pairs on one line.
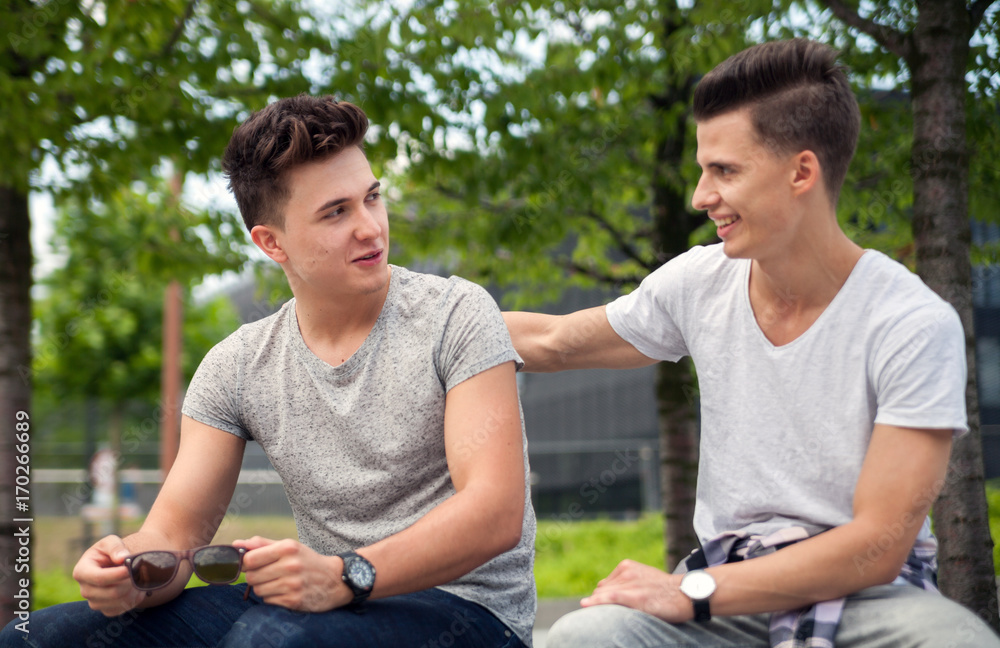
[[359, 574], [699, 585]]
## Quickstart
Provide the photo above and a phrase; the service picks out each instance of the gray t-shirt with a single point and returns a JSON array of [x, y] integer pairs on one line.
[[360, 447], [784, 429]]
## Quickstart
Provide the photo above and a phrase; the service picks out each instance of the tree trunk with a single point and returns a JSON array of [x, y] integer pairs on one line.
[[677, 405], [942, 238], [15, 388], [676, 384]]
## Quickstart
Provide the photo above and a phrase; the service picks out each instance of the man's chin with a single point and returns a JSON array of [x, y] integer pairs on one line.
[[734, 251], [378, 284]]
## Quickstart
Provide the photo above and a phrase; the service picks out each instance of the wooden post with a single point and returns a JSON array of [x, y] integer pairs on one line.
[[170, 397], [171, 379]]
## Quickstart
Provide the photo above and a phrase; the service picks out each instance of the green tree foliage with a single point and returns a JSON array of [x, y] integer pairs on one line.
[[100, 322], [104, 89], [518, 123]]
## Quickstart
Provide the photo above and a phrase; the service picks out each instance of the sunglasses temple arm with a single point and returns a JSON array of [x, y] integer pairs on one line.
[[246, 592]]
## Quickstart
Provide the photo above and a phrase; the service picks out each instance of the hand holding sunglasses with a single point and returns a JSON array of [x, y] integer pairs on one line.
[[214, 564]]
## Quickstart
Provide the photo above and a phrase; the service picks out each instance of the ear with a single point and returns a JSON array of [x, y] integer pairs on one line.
[[807, 174], [267, 238]]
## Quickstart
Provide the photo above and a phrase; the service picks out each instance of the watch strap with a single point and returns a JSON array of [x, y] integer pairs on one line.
[[702, 611]]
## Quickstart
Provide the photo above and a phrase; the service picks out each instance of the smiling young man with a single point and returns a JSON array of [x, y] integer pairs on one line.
[[387, 402], [832, 381]]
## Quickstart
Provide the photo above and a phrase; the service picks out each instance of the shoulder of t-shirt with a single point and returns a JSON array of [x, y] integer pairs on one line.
[[885, 275], [252, 333], [901, 297], [701, 267], [445, 289]]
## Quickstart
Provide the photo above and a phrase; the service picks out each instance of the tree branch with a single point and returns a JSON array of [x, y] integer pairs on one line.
[[977, 11], [604, 278], [178, 29], [483, 203], [627, 248], [893, 40]]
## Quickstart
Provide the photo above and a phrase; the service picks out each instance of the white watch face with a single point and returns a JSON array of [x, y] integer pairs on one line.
[[698, 585]]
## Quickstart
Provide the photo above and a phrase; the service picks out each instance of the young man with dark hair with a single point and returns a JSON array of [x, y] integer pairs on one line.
[[387, 402], [832, 381]]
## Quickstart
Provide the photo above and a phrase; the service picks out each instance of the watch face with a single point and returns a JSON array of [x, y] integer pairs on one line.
[[361, 574], [698, 585]]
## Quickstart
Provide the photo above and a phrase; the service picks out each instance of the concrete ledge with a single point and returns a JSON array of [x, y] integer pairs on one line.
[[551, 609]]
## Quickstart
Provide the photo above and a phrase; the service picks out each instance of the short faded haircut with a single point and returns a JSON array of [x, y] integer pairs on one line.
[[282, 136], [798, 98]]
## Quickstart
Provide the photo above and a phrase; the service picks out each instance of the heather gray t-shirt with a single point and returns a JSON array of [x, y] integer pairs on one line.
[[360, 447], [784, 429]]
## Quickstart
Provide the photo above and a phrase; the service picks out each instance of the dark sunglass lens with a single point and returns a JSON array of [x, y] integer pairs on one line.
[[153, 569], [217, 564]]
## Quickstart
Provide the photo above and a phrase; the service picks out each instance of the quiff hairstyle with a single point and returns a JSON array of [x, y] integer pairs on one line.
[[798, 99], [282, 136]]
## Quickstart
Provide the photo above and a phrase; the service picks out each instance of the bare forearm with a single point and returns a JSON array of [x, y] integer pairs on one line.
[[456, 537], [828, 566], [580, 340], [821, 568], [531, 333]]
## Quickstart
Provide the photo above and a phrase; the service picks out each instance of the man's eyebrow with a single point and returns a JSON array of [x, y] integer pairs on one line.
[[333, 203], [719, 165]]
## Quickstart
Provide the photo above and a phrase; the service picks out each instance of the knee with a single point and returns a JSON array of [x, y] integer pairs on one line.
[[910, 617], [957, 627], [594, 626], [65, 624], [267, 626], [11, 636]]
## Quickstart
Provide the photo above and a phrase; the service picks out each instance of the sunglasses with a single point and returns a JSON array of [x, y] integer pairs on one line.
[[214, 564]]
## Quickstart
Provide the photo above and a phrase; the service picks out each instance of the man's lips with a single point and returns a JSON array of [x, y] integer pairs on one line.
[[370, 257], [724, 224]]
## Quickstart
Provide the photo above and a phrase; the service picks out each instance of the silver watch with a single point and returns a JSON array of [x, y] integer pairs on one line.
[[698, 585]]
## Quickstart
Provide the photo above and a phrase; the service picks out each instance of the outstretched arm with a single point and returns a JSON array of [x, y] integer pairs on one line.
[[580, 340], [901, 477]]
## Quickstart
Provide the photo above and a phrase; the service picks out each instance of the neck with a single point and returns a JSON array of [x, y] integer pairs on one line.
[[809, 272], [334, 326]]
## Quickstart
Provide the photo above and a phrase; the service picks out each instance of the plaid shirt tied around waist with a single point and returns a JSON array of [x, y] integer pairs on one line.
[[813, 626]]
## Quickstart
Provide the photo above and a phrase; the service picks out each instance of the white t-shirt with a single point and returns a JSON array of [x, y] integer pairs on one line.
[[784, 429]]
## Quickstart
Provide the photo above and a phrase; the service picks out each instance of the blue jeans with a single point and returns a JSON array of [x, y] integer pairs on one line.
[[218, 616]]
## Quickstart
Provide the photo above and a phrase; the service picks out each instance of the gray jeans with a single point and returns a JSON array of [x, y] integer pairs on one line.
[[887, 616]]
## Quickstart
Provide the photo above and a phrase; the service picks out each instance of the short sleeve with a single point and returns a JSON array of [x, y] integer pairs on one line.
[[475, 337], [920, 380], [646, 317], [212, 396]]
